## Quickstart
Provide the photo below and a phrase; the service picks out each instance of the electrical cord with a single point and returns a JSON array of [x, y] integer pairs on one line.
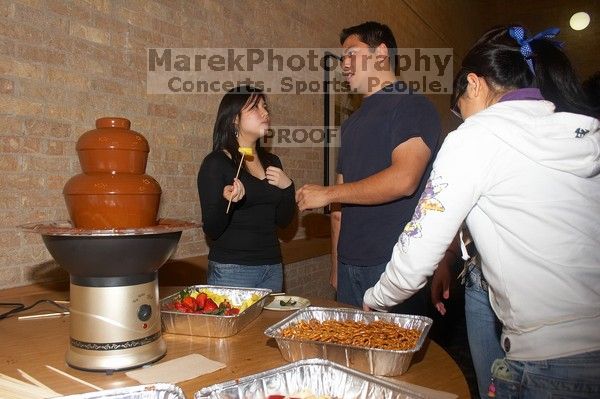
[[20, 307]]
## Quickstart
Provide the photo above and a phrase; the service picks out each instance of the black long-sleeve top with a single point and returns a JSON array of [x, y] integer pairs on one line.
[[248, 234]]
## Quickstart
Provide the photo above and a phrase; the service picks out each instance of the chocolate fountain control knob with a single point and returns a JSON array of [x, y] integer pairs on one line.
[[144, 312]]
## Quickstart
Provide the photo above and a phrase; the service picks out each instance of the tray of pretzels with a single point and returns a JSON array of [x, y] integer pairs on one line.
[[375, 343]]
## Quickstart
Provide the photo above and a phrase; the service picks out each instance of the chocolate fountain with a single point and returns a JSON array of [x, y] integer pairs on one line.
[[112, 250]]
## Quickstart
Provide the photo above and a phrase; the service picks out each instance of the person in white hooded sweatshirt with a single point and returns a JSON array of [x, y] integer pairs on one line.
[[523, 170]]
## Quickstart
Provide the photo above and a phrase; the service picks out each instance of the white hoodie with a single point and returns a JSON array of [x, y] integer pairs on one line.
[[527, 180]]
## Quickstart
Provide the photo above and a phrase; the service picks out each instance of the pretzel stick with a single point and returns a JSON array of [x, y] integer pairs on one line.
[[236, 176], [378, 334], [74, 378]]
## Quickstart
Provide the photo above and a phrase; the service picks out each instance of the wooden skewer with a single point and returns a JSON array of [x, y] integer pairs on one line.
[[10, 395], [236, 176], [38, 383], [97, 388], [42, 316], [7, 393], [11, 379], [22, 392], [13, 387]]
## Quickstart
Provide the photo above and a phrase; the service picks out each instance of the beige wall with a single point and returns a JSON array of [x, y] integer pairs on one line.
[[65, 63]]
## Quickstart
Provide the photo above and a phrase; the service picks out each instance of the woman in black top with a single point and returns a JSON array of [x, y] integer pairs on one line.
[[244, 248]]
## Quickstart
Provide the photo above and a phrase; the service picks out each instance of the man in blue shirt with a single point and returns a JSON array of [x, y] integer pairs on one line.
[[388, 146]]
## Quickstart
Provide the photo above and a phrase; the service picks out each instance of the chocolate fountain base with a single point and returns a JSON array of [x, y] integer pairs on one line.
[[125, 360], [114, 327], [115, 315]]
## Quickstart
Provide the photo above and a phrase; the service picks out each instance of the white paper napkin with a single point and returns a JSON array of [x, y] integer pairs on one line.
[[176, 370]]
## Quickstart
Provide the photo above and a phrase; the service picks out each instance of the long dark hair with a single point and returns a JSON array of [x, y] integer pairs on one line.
[[224, 132], [497, 57], [591, 86]]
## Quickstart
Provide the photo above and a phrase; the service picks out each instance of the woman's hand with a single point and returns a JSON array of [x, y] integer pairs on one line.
[[441, 282], [277, 177], [235, 191]]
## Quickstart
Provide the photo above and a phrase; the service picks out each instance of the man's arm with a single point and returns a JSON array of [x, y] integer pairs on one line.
[[400, 179], [336, 222], [460, 176]]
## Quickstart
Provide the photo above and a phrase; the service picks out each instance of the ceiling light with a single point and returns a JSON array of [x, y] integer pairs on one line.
[[579, 20]]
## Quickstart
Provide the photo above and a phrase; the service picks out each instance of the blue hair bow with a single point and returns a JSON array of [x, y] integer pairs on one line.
[[518, 33]]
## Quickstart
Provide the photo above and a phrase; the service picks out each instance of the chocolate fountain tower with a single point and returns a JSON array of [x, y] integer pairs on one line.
[[113, 250], [113, 191]]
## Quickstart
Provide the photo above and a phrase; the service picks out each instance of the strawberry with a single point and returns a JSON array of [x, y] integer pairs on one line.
[[201, 300], [210, 306], [232, 312], [190, 303]]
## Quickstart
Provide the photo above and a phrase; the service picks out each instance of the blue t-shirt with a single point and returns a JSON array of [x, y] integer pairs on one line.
[[385, 120]]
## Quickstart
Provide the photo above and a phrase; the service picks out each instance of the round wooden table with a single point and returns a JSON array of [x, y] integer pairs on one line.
[[29, 345]]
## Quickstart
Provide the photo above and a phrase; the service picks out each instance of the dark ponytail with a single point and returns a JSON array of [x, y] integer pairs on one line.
[[557, 80], [497, 57]]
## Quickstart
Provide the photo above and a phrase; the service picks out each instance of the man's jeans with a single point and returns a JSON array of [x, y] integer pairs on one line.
[[570, 377], [263, 276], [354, 281]]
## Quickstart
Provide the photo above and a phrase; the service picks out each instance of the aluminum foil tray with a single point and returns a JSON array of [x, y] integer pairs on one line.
[[317, 376], [151, 391], [206, 325], [373, 361]]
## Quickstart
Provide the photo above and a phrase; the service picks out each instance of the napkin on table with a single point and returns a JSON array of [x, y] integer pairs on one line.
[[176, 370]]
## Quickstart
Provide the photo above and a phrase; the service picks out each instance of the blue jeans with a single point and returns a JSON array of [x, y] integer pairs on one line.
[[569, 377], [483, 328], [263, 276], [354, 281]]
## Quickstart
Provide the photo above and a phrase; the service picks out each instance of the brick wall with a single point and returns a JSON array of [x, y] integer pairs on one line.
[[309, 278], [63, 64]]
